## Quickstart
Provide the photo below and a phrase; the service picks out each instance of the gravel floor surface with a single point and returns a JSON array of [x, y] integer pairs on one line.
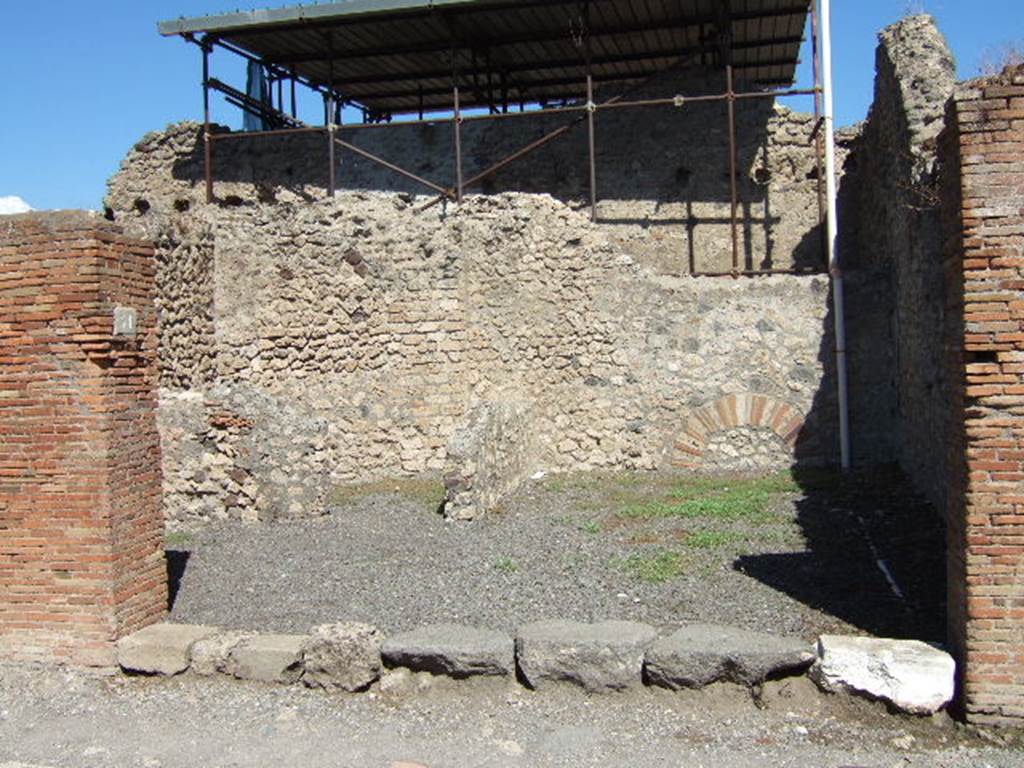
[[52, 718], [566, 547]]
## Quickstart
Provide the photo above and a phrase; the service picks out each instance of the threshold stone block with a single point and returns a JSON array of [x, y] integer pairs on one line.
[[160, 649], [342, 656], [607, 656], [700, 654], [911, 675], [268, 658], [453, 650]]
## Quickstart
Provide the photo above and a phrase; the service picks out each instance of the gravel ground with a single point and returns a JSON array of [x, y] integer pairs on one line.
[[566, 547], [52, 718]]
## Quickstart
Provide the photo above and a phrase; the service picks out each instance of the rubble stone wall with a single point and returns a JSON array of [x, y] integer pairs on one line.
[[890, 250], [348, 339]]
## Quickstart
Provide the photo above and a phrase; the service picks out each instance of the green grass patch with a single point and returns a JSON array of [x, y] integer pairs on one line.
[[709, 539], [426, 491], [655, 568], [506, 565], [177, 539], [590, 526], [717, 498]]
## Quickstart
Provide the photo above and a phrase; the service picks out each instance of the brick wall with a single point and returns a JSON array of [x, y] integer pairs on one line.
[[983, 197], [81, 547]]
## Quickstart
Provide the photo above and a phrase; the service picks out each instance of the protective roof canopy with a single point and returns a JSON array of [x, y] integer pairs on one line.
[[395, 56]]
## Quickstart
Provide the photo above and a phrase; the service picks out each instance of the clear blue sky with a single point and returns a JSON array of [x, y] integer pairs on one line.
[[83, 81]]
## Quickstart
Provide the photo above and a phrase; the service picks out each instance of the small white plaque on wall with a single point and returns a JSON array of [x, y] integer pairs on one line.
[[125, 321]]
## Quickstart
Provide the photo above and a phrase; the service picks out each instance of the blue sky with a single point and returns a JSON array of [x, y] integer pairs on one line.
[[85, 80]]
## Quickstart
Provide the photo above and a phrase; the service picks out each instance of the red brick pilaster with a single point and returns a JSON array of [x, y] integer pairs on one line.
[[81, 534], [984, 151]]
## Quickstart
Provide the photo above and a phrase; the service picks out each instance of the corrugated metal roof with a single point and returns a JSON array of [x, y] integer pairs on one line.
[[395, 56]]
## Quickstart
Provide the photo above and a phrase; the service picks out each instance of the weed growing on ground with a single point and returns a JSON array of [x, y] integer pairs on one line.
[[426, 491], [656, 568], [717, 498], [590, 526], [177, 539], [506, 564]]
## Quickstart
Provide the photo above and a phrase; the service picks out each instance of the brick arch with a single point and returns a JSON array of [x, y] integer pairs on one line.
[[731, 412]]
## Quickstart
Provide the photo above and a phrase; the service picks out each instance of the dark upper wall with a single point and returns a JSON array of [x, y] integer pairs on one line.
[[662, 173]]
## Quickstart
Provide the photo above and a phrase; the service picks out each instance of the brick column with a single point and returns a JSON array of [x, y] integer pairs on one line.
[[81, 530], [983, 198]]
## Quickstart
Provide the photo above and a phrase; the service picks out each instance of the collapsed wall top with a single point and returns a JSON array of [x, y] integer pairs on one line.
[[401, 56]]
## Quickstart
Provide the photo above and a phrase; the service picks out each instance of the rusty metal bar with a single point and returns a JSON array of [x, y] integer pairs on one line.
[[391, 166], [207, 141], [733, 193], [457, 123], [680, 100], [261, 134]]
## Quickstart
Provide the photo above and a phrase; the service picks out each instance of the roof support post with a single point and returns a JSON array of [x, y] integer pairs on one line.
[[295, 110], [733, 192], [207, 141], [457, 127], [591, 108], [329, 105]]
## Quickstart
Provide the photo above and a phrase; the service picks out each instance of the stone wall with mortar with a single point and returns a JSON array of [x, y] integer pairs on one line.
[[890, 250], [663, 178], [346, 340]]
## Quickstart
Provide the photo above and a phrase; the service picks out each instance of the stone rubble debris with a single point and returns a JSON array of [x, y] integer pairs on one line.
[[342, 656]]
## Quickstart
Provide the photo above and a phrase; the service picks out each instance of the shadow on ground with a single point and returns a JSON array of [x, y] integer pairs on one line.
[[177, 562], [858, 529]]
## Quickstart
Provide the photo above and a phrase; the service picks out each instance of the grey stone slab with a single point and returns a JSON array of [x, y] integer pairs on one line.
[[913, 676], [699, 654], [210, 654], [342, 656], [160, 649], [607, 656], [268, 658], [453, 650]]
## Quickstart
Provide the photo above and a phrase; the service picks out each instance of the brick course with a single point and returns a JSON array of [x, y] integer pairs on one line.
[[81, 547], [982, 153]]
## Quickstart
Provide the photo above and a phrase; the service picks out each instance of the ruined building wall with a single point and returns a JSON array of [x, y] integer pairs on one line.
[[308, 342], [663, 178], [349, 338], [890, 251]]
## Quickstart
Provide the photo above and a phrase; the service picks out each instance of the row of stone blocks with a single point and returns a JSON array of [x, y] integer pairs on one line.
[[606, 656]]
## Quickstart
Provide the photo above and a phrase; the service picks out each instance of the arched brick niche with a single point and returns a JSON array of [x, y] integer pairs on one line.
[[777, 420]]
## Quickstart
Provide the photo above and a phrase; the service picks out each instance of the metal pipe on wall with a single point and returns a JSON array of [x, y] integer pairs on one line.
[[838, 304]]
